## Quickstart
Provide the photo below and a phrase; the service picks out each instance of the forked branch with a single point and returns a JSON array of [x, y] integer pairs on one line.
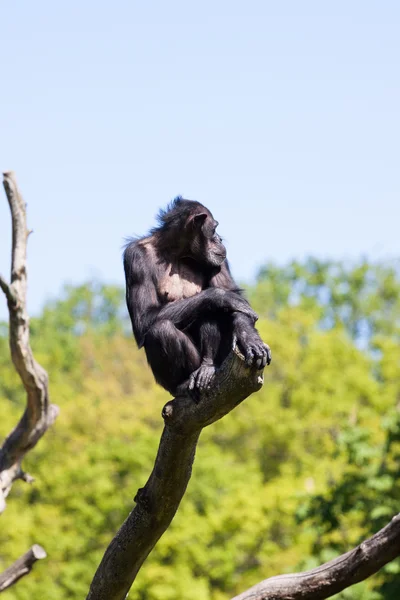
[[158, 501], [39, 413]]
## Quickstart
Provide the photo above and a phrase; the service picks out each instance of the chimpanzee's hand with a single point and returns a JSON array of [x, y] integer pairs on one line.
[[256, 353]]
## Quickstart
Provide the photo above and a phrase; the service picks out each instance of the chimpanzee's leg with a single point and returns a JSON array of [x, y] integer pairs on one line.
[[171, 354], [214, 338]]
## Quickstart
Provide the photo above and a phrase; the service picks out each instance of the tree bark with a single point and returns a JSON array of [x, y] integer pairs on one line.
[[336, 575], [39, 413], [158, 501], [21, 567]]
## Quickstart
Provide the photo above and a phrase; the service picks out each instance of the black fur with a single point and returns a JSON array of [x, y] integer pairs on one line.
[[185, 307]]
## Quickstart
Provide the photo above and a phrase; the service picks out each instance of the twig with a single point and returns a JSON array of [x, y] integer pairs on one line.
[[21, 567], [39, 413], [158, 501], [334, 576]]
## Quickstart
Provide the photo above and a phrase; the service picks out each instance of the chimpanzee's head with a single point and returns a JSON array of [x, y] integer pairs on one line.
[[205, 245], [190, 228]]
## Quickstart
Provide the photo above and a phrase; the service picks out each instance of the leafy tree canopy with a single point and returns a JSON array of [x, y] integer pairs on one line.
[[301, 471]]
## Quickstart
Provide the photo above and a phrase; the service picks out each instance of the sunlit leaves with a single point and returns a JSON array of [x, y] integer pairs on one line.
[[295, 475]]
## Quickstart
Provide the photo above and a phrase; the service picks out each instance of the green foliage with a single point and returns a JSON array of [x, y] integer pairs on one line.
[[363, 297], [298, 473], [362, 499]]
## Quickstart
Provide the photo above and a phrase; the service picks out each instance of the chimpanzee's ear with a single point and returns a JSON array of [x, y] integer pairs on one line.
[[198, 220]]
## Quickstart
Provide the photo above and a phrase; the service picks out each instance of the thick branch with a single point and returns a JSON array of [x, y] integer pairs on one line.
[[21, 567], [336, 575], [158, 501], [39, 413]]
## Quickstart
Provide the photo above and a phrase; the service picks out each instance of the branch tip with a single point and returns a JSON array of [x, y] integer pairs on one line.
[[21, 567], [38, 552]]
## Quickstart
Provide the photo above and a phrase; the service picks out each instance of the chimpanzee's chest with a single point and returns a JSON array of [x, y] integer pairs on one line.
[[178, 282]]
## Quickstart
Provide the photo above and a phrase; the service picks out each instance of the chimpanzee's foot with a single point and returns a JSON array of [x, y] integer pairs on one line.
[[201, 379]]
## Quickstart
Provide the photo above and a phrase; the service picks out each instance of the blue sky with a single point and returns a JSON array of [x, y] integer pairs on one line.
[[282, 117]]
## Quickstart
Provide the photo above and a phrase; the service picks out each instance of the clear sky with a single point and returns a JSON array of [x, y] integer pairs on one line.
[[282, 117]]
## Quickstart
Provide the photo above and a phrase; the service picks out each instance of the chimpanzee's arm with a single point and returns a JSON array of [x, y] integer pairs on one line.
[[184, 312], [245, 334], [141, 295]]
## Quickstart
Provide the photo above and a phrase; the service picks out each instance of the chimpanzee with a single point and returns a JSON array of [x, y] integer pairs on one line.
[[185, 307]]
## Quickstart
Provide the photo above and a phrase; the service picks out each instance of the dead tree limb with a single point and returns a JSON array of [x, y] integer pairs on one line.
[[21, 567], [158, 501], [39, 413], [337, 574]]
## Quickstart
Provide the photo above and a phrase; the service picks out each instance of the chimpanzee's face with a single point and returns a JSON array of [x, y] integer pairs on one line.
[[206, 246]]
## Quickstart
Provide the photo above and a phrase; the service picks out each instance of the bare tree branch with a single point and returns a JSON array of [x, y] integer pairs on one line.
[[336, 575], [21, 567], [158, 501], [39, 413]]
